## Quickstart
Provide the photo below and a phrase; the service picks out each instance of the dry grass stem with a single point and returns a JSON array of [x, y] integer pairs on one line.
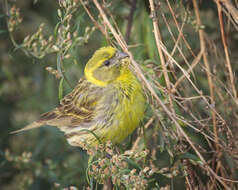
[[193, 65], [208, 70], [158, 39], [93, 19], [178, 28], [228, 63], [232, 9]]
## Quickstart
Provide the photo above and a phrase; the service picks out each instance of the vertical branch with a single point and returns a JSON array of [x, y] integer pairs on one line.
[[228, 63], [162, 59], [130, 20], [208, 70]]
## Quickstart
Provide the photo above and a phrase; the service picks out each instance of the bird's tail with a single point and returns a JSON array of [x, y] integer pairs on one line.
[[28, 127]]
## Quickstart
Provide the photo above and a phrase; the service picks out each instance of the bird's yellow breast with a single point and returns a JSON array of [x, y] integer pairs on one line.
[[129, 110]]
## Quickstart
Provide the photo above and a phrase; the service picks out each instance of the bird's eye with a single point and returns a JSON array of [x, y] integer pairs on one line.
[[107, 63]]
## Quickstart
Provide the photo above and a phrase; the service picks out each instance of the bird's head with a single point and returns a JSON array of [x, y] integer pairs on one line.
[[106, 65]]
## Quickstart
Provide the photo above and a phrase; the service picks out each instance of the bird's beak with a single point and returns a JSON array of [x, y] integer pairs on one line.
[[121, 55]]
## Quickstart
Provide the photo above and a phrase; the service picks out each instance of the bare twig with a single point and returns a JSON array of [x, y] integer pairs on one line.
[[93, 19], [193, 65], [228, 63], [231, 8], [130, 20], [208, 70], [230, 18], [158, 38], [177, 25], [176, 45]]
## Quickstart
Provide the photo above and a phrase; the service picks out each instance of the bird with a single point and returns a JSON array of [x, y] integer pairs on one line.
[[107, 104]]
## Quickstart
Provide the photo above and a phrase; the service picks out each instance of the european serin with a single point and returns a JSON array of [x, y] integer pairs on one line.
[[108, 103]]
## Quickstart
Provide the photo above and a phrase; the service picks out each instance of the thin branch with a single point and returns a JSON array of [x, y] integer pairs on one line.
[[130, 20], [208, 70], [231, 9], [193, 65], [176, 43], [158, 39], [177, 25], [228, 63], [93, 19], [230, 18]]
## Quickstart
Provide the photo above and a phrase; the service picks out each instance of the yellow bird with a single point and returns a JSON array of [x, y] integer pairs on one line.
[[107, 104]]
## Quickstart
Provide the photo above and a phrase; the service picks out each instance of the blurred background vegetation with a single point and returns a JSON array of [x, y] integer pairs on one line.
[[44, 46]]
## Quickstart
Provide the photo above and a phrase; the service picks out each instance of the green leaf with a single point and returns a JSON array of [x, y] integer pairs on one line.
[[61, 88], [189, 156], [89, 131], [133, 163]]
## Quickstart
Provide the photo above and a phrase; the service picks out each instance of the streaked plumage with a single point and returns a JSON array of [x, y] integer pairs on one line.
[[109, 102]]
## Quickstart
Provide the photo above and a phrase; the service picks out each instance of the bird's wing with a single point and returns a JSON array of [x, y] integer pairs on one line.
[[77, 109]]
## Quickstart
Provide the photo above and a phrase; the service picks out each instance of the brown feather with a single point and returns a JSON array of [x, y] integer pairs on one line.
[[75, 108]]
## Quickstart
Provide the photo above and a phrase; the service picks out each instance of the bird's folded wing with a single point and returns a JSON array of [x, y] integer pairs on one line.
[[76, 109]]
